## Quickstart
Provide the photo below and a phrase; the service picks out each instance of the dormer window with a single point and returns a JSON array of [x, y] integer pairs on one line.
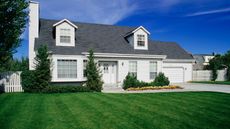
[[65, 32], [65, 35], [140, 40]]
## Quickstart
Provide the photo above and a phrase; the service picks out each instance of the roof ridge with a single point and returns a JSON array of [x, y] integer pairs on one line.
[[57, 20]]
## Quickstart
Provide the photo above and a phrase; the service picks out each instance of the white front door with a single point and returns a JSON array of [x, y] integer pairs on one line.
[[109, 70]]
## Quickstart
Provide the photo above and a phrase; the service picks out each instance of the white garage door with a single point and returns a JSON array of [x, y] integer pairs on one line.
[[175, 74]]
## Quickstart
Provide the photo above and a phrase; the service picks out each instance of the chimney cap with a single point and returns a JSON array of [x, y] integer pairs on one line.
[[34, 2]]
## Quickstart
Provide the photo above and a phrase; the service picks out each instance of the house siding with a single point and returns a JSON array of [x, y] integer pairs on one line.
[[122, 68]]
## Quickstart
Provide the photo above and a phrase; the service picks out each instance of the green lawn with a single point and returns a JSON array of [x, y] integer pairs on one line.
[[212, 82], [115, 111]]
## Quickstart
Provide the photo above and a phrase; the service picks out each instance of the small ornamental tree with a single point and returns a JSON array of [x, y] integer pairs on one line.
[[215, 64], [94, 81], [42, 68]]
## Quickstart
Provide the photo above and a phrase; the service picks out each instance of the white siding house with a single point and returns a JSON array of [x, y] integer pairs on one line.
[[118, 51]]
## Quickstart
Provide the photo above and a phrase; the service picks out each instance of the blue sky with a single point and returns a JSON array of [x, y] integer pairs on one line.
[[199, 26]]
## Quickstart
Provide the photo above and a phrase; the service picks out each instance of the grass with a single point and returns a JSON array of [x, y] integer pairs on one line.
[[115, 111], [213, 82]]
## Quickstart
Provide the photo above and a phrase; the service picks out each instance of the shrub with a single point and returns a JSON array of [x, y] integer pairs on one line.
[[161, 80], [28, 81], [65, 89], [1, 89], [130, 81]]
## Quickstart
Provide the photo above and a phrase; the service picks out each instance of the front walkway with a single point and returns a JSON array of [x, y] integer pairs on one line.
[[186, 87]]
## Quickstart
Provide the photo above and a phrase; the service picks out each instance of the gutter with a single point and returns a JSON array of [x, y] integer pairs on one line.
[[126, 55]]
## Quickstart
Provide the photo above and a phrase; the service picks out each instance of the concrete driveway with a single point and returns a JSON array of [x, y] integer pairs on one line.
[[205, 87], [186, 87]]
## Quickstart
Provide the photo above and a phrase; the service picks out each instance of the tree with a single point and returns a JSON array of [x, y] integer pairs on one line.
[[42, 68], [215, 64], [13, 17], [226, 60], [19, 64], [94, 81]]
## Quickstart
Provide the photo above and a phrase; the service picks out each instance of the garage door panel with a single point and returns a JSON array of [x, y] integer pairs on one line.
[[175, 74]]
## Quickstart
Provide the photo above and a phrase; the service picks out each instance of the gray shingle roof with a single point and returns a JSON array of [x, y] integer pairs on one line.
[[104, 39]]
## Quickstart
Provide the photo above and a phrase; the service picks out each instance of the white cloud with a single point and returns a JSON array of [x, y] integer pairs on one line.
[[96, 11], [209, 12]]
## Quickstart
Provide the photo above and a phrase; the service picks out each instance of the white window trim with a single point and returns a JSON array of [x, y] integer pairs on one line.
[[136, 46], [152, 71], [67, 69], [65, 32], [142, 39], [130, 71]]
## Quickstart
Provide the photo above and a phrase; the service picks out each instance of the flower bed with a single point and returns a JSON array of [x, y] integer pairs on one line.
[[153, 88]]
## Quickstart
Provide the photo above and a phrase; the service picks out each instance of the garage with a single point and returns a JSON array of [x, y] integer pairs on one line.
[[175, 74]]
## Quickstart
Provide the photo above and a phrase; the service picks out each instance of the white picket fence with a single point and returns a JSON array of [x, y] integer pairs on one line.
[[206, 75], [11, 81]]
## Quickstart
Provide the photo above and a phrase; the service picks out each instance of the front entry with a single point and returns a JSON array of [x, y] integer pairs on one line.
[[109, 72]]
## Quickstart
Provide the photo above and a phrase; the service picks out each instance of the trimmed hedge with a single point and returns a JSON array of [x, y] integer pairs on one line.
[[131, 81], [30, 85], [65, 89]]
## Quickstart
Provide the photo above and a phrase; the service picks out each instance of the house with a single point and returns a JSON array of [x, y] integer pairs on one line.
[[119, 50], [202, 60]]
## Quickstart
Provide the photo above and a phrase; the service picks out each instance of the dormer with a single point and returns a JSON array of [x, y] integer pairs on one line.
[[138, 38], [65, 33]]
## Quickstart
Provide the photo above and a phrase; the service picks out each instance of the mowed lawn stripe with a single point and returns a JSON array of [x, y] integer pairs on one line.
[[26, 112], [120, 111], [39, 118], [151, 108], [11, 109], [83, 111], [200, 109], [65, 114], [115, 111], [206, 105], [106, 114], [219, 97], [178, 102]]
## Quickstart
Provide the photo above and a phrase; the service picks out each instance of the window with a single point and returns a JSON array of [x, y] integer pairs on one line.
[[65, 36], [84, 67], [106, 68], [152, 69], [133, 68], [140, 40], [67, 68]]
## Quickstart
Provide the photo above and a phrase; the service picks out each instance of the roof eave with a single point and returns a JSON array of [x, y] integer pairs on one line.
[[127, 55]]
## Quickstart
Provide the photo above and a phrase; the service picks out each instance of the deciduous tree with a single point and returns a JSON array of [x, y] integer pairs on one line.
[[13, 17]]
